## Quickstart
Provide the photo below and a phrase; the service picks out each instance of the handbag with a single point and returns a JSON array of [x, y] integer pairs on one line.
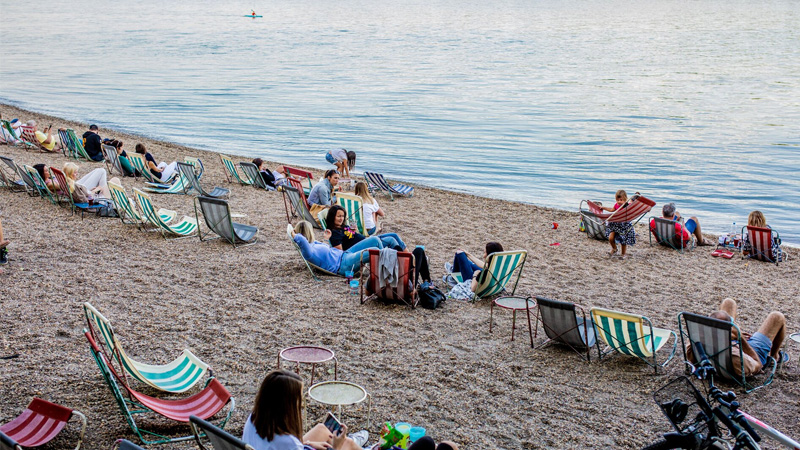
[[430, 297]]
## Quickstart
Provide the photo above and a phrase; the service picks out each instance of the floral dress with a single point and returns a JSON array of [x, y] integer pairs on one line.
[[624, 233]]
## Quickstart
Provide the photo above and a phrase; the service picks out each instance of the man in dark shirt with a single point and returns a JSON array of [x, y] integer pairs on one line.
[[91, 143]]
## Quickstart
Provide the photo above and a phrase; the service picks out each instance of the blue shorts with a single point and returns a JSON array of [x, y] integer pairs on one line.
[[691, 225], [762, 345], [330, 158]]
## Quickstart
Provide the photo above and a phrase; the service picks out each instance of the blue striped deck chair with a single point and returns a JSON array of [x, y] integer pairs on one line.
[[66, 145], [231, 173], [182, 229], [40, 185], [127, 209], [378, 181], [178, 376], [188, 174], [498, 270], [631, 335], [218, 217], [715, 335]]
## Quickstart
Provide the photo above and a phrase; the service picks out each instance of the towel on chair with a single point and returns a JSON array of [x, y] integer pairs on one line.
[[387, 268]]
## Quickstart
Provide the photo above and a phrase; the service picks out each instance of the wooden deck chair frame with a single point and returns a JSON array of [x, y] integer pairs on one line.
[[225, 223], [232, 173], [665, 234], [111, 159], [378, 181], [297, 203], [759, 249], [489, 284], [370, 281], [220, 439], [40, 185], [184, 229], [133, 404], [637, 344], [553, 313], [593, 225], [311, 267], [715, 335], [39, 423], [188, 173]]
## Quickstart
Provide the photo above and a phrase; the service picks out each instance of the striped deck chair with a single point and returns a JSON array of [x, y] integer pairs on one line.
[[78, 145], [217, 214], [25, 181], [763, 244], [232, 174], [632, 212], [39, 424], [140, 165], [666, 233], [187, 173], [39, 184], [498, 270], [111, 158], [199, 168], [220, 439], [298, 203], [178, 376], [311, 267], [566, 323], [302, 175], [184, 228], [8, 133], [251, 172], [66, 145], [65, 197], [204, 404], [715, 335], [127, 209], [353, 207], [402, 292], [592, 219], [322, 216], [631, 335], [379, 182], [29, 140]]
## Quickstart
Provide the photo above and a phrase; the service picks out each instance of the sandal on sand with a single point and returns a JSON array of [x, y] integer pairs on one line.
[[722, 253]]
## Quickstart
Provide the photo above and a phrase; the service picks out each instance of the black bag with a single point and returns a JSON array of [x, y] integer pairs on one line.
[[430, 297], [105, 208]]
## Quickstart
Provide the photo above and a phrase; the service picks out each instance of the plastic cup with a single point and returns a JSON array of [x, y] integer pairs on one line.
[[404, 428], [416, 433]]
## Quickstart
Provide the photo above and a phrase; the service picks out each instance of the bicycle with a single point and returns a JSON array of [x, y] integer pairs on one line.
[[680, 399]]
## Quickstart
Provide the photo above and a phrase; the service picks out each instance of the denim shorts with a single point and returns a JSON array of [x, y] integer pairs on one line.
[[762, 345], [330, 158]]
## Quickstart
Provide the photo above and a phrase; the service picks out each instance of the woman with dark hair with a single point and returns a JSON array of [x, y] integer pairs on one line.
[[343, 237], [344, 160], [162, 171], [276, 422], [332, 259], [469, 266], [122, 156]]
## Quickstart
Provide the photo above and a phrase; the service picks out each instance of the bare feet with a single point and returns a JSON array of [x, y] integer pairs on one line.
[[705, 242]]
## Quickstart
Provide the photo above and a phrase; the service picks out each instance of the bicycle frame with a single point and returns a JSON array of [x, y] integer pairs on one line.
[[764, 429]]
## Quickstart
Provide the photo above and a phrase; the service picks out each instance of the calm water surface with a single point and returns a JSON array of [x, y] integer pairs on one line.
[[541, 102]]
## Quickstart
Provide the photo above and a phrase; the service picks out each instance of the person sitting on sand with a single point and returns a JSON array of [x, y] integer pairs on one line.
[[621, 232], [3, 247], [321, 196], [757, 219], [91, 143], [276, 421], [344, 160], [127, 167], [46, 139], [767, 341], [691, 226], [162, 170], [331, 259], [344, 238], [370, 206], [91, 186]]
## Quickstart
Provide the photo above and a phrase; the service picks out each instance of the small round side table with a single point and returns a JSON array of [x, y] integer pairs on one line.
[[514, 304], [341, 393], [308, 354]]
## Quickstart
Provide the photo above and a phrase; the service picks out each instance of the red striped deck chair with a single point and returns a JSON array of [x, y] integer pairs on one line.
[[303, 175], [760, 241], [28, 138], [39, 424], [204, 404], [632, 212], [402, 292]]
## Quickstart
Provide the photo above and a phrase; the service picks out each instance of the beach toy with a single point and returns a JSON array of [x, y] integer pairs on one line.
[[554, 225], [555, 244], [416, 433], [404, 429], [354, 287], [389, 436]]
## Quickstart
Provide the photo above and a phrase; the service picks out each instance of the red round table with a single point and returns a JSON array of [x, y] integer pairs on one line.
[[309, 354]]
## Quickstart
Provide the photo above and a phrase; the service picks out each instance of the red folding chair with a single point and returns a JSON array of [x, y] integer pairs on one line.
[[404, 291], [40, 423], [760, 240]]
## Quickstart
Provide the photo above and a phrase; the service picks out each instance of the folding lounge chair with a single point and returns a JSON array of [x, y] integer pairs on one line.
[[298, 203], [67, 148], [184, 228], [632, 212], [322, 216], [220, 439], [187, 173], [715, 335], [140, 165], [311, 267], [64, 196], [127, 209], [378, 181], [199, 169], [178, 376], [8, 131], [631, 335], [592, 224], [232, 174], [217, 214], [251, 172], [303, 175], [77, 143], [666, 234], [29, 140], [25, 181], [566, 323], [353, 207], [39, 424], [10, 176], [111, 158], [204, 404], [498, 270], [39, 184], [124, 444], [403, 291], [760, 240]]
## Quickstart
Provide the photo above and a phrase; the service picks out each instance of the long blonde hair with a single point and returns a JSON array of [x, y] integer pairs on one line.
[[363, 191], [306, 229], [69, 172], [757, 219]]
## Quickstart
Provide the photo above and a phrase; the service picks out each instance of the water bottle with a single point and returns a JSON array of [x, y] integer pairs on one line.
[[353, 288]]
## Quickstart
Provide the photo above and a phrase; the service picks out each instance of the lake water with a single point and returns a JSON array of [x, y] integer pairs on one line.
[[540, 102]]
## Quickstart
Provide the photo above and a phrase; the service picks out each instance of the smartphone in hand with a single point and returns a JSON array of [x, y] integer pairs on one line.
[[332, 423]]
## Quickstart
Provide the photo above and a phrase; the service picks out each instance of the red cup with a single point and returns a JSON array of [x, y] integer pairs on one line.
[[554, 225]]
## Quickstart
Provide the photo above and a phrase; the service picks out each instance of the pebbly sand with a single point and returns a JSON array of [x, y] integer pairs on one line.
[[443, 370]]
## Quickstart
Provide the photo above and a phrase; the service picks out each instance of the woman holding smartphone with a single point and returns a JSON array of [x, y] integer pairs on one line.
[[276, 422]]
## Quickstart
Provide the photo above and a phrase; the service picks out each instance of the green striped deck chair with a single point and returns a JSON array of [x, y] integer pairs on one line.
[[177, 376], [497, 272], [138, 162], [353, 207], [127, 209], [182, 229], [199, 169], [322, 215], [8, 131], [39, 184], [77, 145], [631, 335], [232, 173]]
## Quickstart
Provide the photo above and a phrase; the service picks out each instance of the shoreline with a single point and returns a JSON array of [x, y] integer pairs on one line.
[[237, 308]]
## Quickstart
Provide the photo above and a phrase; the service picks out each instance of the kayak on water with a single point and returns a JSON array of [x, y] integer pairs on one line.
[[254, 17]]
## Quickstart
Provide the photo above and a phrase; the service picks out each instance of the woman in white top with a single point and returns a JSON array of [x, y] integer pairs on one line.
[[344, 160], [276, 422], [371, 208]]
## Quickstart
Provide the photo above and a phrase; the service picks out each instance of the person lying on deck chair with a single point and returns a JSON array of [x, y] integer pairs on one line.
[[46, 139], [344, 238], [691, 226], [44, 172], [332, 259], [93, 185], [757, 347]]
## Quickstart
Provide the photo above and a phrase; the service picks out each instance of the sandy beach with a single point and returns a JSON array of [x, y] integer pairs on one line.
[[442, 369]]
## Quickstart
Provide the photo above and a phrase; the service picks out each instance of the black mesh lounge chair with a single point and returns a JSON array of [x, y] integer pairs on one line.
[[251, 171], [593, 225], [664, 234], [298, 205], [28, 184], [715, 335], [220, 440], [10, 178], [124, 444], [189, 174], [566, 323], [112, 159], [217, 214]]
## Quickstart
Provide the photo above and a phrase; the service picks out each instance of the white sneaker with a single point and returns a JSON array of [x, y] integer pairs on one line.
[[448, 266], [360, 437]]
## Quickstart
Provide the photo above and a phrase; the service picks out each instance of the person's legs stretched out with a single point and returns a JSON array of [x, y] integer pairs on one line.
[[463, 265]]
